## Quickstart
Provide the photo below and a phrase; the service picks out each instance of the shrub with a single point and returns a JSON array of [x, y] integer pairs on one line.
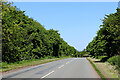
[[103, 59], [115, 60]]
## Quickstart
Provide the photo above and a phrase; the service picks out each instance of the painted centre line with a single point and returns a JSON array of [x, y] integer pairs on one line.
[[67, 62], [47, 74], [71, 60], [61, 66]]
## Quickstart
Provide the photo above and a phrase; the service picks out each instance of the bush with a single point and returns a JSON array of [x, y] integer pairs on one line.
[[115, 60], [100, 57], [103, 59]]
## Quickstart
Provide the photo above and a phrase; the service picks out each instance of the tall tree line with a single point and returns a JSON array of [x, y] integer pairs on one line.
[[107, 41], [24, 38]]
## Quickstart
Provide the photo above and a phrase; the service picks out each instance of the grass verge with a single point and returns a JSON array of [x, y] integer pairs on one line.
[[27, 63], [98, 71]]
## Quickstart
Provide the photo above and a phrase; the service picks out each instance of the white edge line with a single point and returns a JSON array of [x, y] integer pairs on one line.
[[47, 74]]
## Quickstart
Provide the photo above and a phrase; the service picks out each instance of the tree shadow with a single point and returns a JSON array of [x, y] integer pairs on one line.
[[102, 60], [97, 61]]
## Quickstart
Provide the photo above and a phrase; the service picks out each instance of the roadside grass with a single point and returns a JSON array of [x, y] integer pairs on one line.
[[26, 63], [98, 71]]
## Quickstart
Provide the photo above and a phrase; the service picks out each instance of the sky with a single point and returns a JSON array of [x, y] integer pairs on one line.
[[77, 22], [64, 0]]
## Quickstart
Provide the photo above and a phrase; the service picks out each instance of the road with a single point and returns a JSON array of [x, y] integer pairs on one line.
[[66, 68]]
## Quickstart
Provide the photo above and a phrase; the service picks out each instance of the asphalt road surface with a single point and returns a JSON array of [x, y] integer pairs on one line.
[[66, 68]]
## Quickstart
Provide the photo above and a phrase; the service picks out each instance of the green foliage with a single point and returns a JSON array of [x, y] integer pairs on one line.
[[24, 38], [107, 41], [83, 53], [115, 60], [104, 59], [100, 57]]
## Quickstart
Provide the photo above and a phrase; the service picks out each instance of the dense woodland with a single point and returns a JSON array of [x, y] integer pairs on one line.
[[24, 38], [107, 41]]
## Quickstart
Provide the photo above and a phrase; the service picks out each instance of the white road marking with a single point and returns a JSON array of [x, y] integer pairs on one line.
[[61, 66], [67, 62], [47, 74], [71, 60]]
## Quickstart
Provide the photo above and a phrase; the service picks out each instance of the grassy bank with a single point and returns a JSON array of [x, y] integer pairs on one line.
[[27, 63], [98, 71], [104, 69]]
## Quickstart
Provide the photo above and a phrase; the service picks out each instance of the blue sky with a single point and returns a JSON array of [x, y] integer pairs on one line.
[[77, 22]]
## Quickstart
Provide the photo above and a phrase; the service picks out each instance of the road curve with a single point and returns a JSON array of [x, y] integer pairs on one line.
[[66, 68]]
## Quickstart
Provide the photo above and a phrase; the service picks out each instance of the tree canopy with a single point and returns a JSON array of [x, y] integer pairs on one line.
[[107, 41], [23, 38]]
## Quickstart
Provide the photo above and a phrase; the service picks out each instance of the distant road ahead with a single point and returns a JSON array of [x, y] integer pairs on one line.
[[66, 68]]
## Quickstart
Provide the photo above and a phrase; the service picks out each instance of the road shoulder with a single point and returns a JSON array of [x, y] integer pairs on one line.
[[107, 70]]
